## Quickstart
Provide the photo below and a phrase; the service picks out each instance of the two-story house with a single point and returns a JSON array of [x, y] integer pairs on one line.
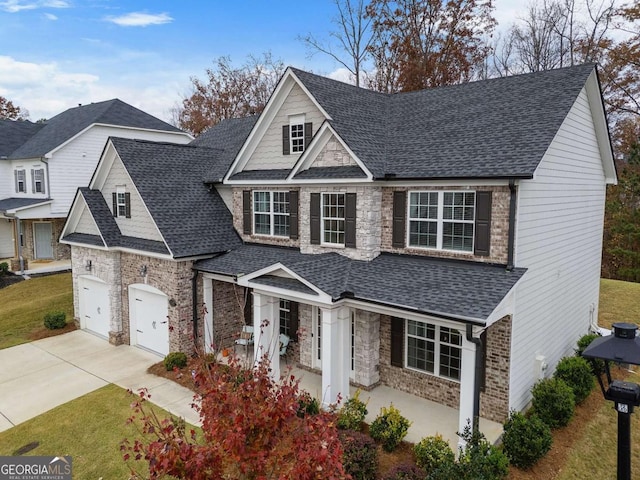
[[444, 242], [43, 164]]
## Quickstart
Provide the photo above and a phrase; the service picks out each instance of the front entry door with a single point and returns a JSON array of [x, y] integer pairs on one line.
[[43, 235]]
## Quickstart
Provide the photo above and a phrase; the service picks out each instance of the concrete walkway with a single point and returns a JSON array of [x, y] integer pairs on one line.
[[38, 376]]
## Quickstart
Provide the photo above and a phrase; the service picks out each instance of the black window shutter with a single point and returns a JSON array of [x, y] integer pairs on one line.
[[248, 308], [293, 315], [308, 134], [397, 341], [246, 212], [482, 242], [15, 176], [350, 220], [399, 219], [33, 181], [285, 140], [314, 216], [293, 214], [114, 201], [127, 205]]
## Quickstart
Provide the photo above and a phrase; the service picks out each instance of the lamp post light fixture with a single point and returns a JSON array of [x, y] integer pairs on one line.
[[621, 347]]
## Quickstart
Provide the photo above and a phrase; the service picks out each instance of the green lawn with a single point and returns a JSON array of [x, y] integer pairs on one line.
[[619, 302], [24, 305], [89, 429]]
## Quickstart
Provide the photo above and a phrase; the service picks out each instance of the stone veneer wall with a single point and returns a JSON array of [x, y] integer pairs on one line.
[[499, 224], [367, 349], [106, 266], [305, 330], [368, 208], [494, 401], [333, 154], [174, 279], [238, 219]]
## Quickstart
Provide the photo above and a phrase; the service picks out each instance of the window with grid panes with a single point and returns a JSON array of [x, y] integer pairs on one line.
[[433, 349], [271, 213], [285, 317], [296, 137], [121, 202], [332, 222]]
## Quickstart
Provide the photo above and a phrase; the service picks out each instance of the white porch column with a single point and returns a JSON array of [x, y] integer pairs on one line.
[[336, 353], [467, 380], [266, 324], [207, 291]]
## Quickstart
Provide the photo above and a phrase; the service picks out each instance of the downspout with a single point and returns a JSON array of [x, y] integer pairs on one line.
[[48, 185], [477, 379], [512, 223], [194, 301]]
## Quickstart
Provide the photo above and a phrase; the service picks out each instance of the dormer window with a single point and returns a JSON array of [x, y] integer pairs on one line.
[[296, 136], [21, 180], [121, 201]]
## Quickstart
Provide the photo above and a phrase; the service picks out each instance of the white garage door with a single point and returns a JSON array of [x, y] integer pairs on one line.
[[93, 296], [6, 239], [148, 312]]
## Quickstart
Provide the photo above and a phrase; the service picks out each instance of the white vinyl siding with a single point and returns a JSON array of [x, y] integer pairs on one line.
[[140, 224], [559, 240], [268, 153], [86, 224]]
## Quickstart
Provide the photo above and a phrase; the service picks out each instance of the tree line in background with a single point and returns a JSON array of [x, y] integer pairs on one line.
[[406, 45]]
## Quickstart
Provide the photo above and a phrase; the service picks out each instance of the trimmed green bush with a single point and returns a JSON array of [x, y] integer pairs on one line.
[[597, 365], [352, 413], [4, 268], [432, 452], [553, 401], [307, 405], [576, 372], [55, 320], [360, 455], [175, 360], [525, 440], [389, 428], [405, 471]]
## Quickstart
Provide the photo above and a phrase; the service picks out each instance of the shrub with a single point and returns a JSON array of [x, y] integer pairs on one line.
[[352, 413], [175, 360], [308, 405], [389, 428], [553, 401], [55, 320], [360, 455], [576, 372], [405, 471], [597, 365], [4, 268], [432, 452], [526, 440]]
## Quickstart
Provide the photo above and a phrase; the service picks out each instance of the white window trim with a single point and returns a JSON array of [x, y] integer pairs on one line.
[[24, 180], [286, 310], [120, 190], [36, 181], [272, 214], [296, 120], [322, 219], [440, 221], [436, 350]]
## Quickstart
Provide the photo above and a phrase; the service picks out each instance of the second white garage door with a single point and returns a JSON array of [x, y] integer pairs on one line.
[[148, 311], [93, 299]]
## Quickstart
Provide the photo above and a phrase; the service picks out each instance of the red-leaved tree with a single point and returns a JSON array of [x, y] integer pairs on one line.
[[252, 428]]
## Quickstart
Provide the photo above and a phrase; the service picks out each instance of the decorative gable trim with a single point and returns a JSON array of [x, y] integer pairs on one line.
[[596, 103], [322, 137], [280, 94]]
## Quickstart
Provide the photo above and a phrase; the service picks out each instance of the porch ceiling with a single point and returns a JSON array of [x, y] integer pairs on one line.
[[451, 288]]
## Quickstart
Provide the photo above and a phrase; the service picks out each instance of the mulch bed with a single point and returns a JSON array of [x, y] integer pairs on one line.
[[46, 333], [9, 279]]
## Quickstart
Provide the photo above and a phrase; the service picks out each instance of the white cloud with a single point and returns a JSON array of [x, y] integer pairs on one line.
[[15, 6], [140, 19], [50, 16]]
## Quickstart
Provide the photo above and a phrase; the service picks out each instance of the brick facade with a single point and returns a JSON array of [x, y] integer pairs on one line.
[[499, 225], [494, 401], [228, 313]]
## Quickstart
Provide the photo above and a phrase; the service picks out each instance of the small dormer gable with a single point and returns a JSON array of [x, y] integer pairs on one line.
[[284, 130]]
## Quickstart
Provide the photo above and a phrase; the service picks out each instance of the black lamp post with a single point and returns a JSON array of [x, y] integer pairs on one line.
[[621, 347]]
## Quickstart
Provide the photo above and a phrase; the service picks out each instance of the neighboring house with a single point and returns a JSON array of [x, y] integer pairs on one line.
[[43, 164], [444, 242]]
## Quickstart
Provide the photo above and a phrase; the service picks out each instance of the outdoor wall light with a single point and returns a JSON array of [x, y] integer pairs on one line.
[[88, 266], [143, 271], [621, 347]]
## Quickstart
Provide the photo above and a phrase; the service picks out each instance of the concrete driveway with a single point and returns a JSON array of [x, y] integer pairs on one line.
[[38, 376]]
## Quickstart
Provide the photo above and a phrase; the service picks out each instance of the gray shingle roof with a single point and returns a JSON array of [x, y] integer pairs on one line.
[[492, 128], [227, 136], [85, 239], [271, 174], [191, 217], [14, 133], [65, 125], [450, 288], [13, 203], [331, 172]]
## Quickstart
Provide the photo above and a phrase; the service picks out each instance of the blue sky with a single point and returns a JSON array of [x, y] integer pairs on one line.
[[55, 54]]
